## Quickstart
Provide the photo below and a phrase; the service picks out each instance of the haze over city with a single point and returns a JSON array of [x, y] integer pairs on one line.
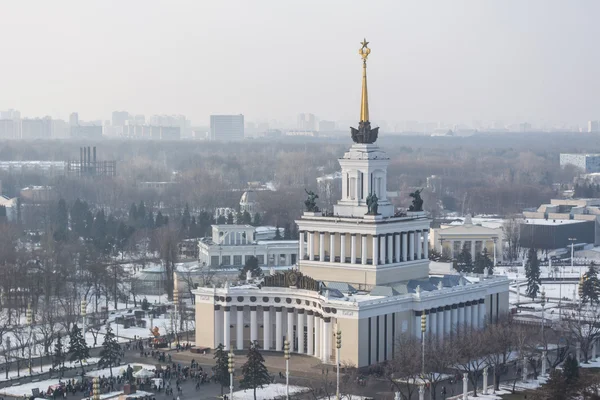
[[457, 62]]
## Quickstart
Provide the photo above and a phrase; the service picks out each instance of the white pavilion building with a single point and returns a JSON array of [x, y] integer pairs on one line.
[[361, 271]]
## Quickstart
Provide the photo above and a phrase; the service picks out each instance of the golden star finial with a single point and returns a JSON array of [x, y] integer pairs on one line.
[[364, 50], [364, 43]]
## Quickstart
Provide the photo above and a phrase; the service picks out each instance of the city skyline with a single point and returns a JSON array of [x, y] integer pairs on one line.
[[198, 59]]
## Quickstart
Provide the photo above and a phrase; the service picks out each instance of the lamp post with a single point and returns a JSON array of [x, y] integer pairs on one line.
[[286, 355], [572, 240], [29, 316], [83, 315], [495, 240], [176, 302], [231, 365], [543, 302], [338, 345], [423, 329]]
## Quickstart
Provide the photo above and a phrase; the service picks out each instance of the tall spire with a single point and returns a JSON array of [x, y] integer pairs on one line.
[[364, 101], [364, 134]]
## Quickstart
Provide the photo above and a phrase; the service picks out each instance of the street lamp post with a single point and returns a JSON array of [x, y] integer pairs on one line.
[[543, 302], [423, 329], [176, 302], [495, 240], [338, 345], [29, 316], [286, 355], [231, 365], [96, 388]]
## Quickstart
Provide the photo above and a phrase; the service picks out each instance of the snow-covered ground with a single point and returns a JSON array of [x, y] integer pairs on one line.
[[45, 368], [26, 388], [268, 392], [110, 395], [118, 370]]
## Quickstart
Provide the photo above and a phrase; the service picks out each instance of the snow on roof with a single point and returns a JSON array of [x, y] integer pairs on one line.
[[542, 221]]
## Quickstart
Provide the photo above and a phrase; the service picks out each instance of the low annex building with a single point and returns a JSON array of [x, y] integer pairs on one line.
[[363, 270]]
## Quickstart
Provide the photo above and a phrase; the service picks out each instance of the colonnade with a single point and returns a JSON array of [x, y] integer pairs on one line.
[[356, 248], [472, 247], [308, 331], [443, 321]]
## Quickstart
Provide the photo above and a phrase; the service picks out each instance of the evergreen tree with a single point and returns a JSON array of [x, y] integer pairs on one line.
[[58, 356], [239, 218], [221, 220], [591, 286], [555, 388], [229, 218], [257, 220], [78, 349], [61, 223], [160, 220], [111, 351], [277, 233], [149, 221], [141, 212], [464, 261], [483, 262], [254, 372], [571, 370], [252, 266], [221, 368], [133, 215], [122, 236], [247, 218], [193, 229], [186, 220], [89, 222], [532, 273], [287, 235]]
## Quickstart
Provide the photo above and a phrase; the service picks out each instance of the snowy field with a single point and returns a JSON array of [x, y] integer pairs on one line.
[[120, 370], [268, 392], [45, 368]]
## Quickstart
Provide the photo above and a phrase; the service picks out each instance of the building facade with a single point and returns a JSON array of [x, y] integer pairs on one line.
[[232, 245], [363, 270], [227, 127], [589, 163]]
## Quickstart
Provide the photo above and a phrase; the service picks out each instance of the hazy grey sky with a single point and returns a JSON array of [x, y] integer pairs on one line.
[[431, 60]]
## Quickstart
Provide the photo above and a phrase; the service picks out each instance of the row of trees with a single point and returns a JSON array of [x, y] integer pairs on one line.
[[482, 262]]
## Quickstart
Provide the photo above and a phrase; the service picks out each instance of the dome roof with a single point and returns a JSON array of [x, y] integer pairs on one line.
[[248, 197]]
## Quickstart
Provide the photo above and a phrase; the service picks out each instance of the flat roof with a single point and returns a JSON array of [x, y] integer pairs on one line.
[[542, 221]]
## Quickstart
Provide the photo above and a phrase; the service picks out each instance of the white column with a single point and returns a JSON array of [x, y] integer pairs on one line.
[[485, 381], [411, 245], [465, 385], [481, 314], [426, 245], [468, 316], [331, 247], [433, 322], [311, 246], [253, 324], [390, 248], [310, 325], [278, 330], [382, 246], [327, 339], [397, 244], [404, 246], [289, 333], [300, 331], [353, 248], [454, 323], [375, 250], [342, 248], [447, 321], [318, 338], [239, 326], [440, 321], [363, 249], [226, 327], [475, 315], [301, 245], [418, 326], [419, 244], [473, 250], [461, 318], [218, 325], [266, 328], [321, 246]]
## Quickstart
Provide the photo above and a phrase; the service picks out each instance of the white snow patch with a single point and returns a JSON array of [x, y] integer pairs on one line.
[[268, 392]]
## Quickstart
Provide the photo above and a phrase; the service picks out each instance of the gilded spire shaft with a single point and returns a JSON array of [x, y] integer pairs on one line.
[[364, 101]]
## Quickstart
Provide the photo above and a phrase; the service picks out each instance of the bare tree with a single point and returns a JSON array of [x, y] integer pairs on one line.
[[471, 350], [500, 343], [512, 234], [440, 356], [583, 324], [405, 368], [169, 250]]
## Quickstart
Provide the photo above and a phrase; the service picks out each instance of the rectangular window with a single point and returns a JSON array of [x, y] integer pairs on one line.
[[377, 340], [385, 337], [237, 260], [247, 258], [226, 260], [347, 185], [214, 261], [362, 186]]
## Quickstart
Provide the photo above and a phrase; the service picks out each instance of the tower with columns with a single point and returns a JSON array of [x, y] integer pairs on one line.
[[361, 270]]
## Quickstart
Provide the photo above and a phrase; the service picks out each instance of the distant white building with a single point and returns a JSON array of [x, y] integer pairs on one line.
[[233, 245], [11, 207], [227, 127], [589, 163], [249, 202]]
